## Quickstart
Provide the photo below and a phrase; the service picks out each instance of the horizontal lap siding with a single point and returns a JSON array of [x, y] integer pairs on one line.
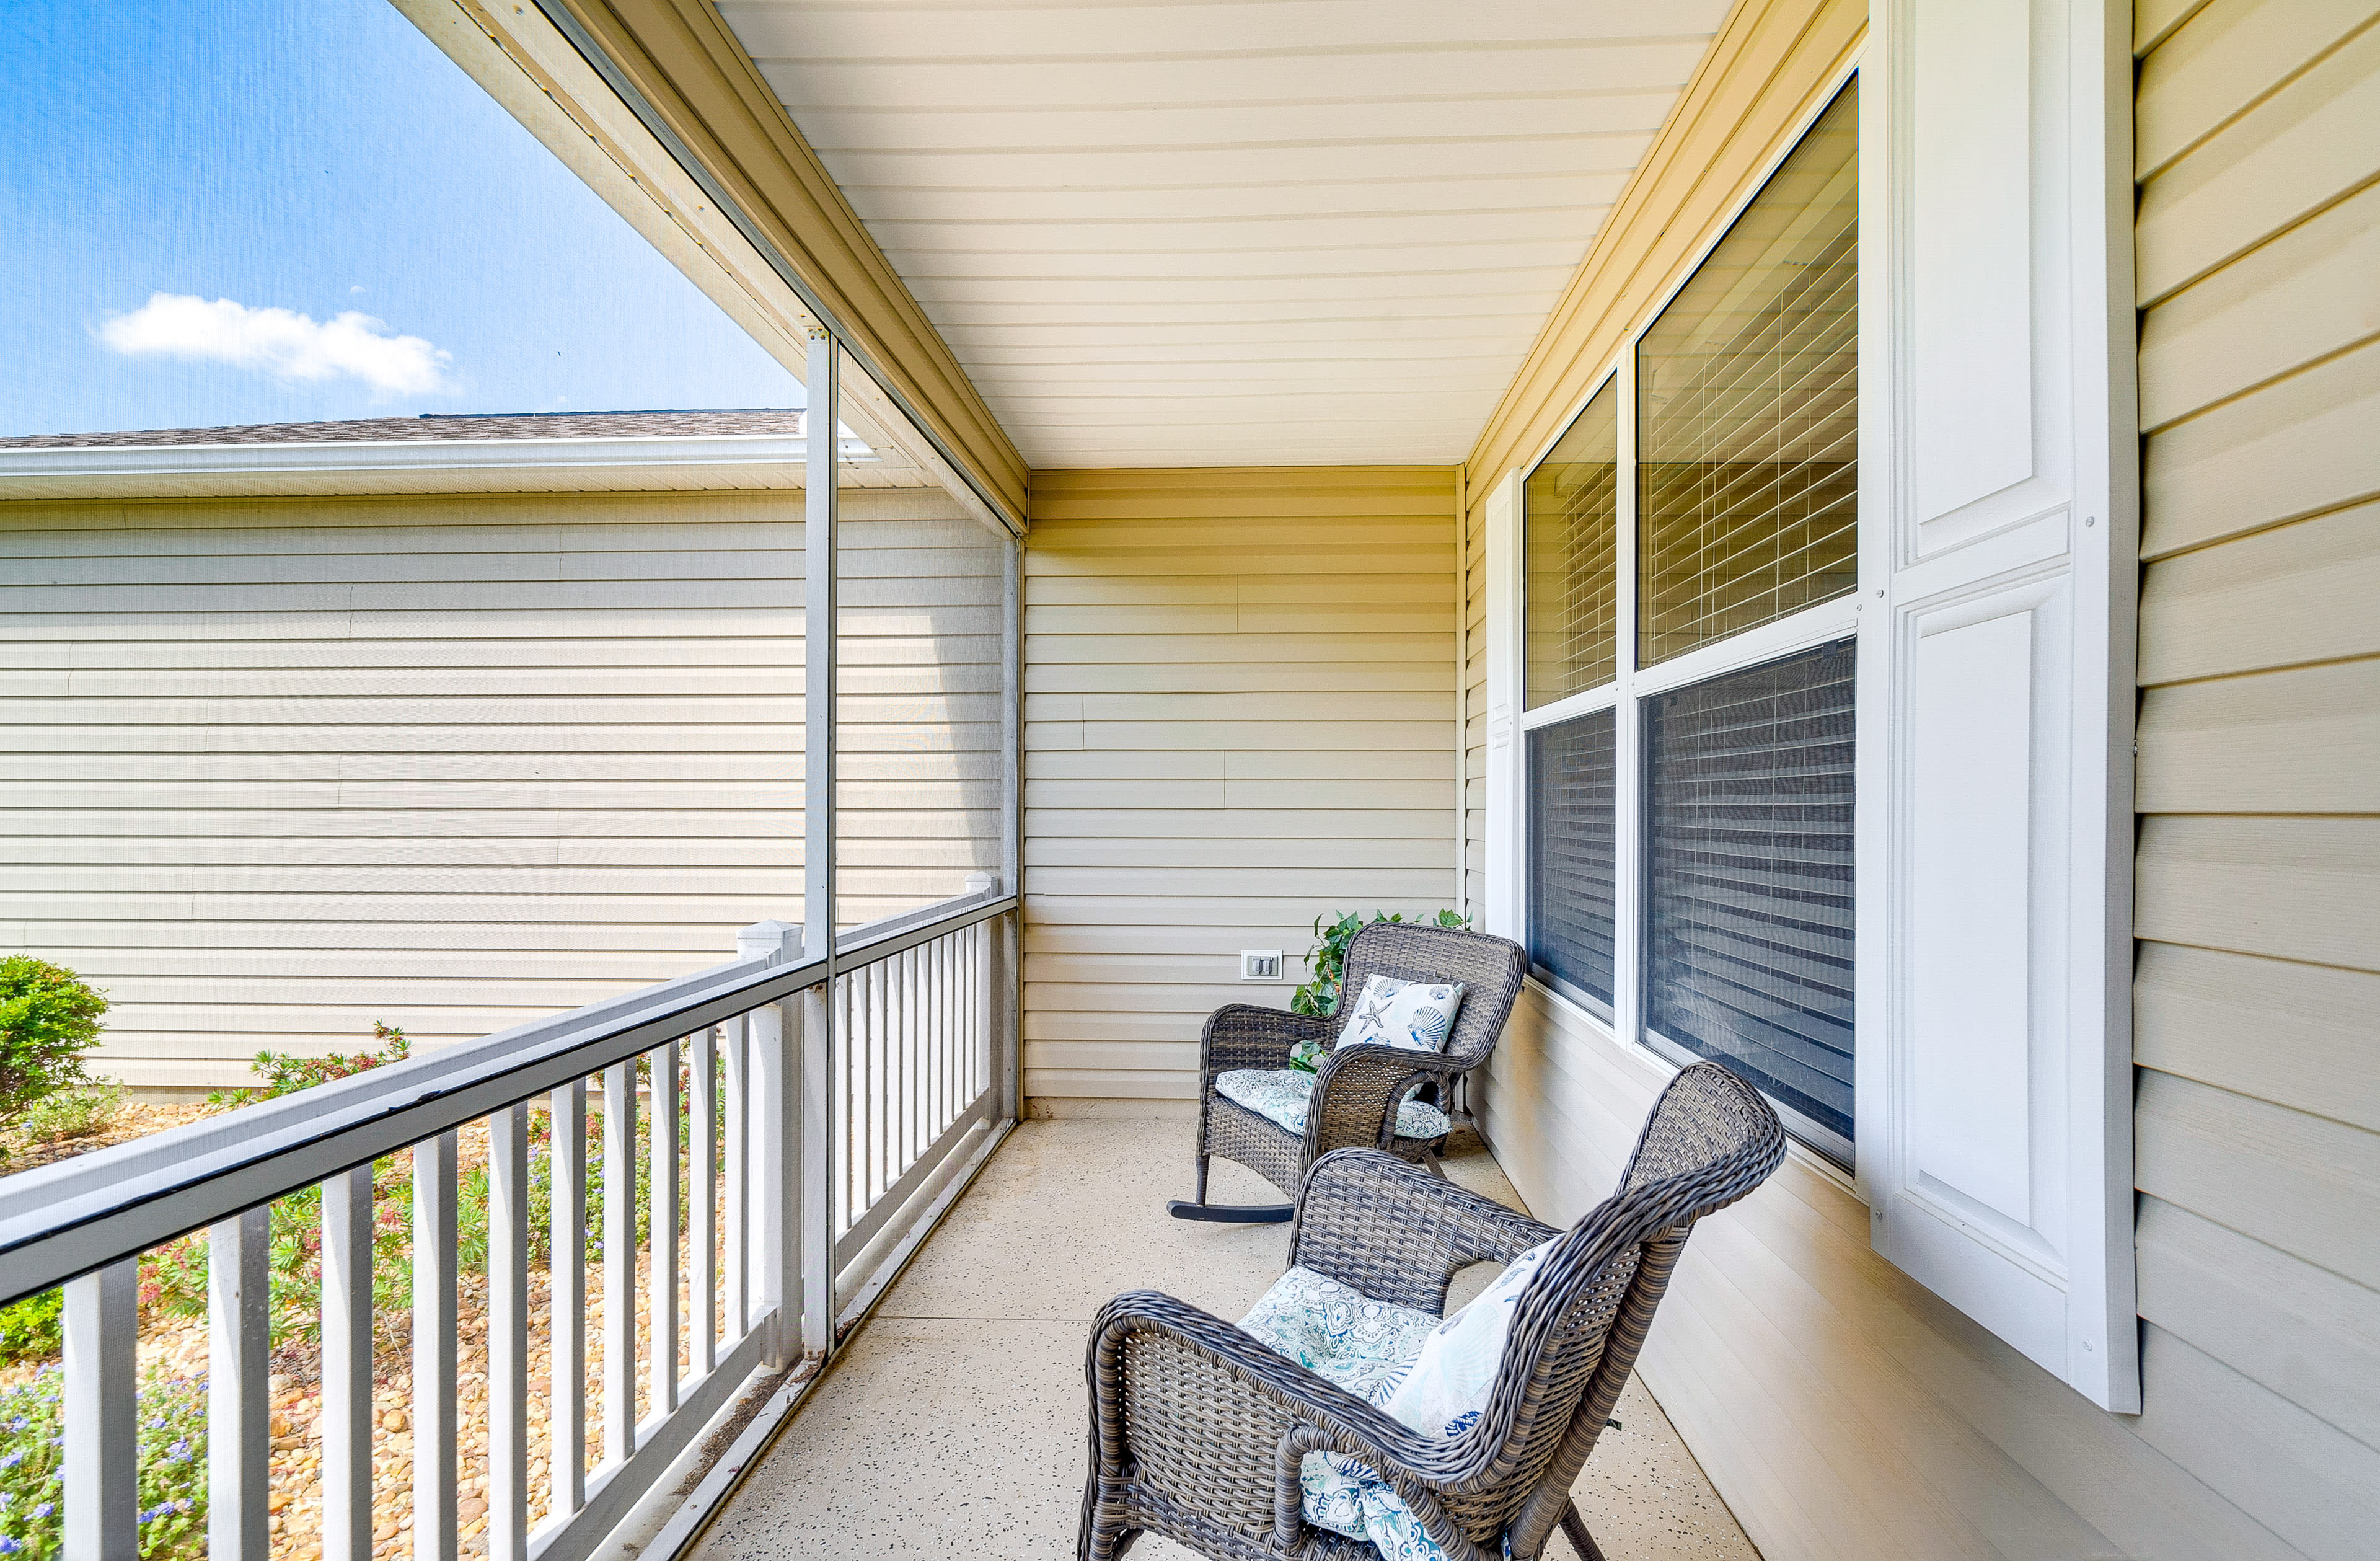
[[1238, 715], [917, 738], [1841, 1409], [2258, 984], [276, 769]]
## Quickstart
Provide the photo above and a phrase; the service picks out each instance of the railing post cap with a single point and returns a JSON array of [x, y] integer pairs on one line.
[[781, 938]]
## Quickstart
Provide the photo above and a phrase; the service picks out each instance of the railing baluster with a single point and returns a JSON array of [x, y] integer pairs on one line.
[[619, 1262], [921, 1030], [701, 1208], [347, 1407], [508, 1335], [939, 1030], [920, 1107], [434, 1350], [239, 1431], [739, 1181], [665, 1268], [891, 1072], [102, 1410], [850, 1127], [905, 1116], [567, 1280], [945, 1082]]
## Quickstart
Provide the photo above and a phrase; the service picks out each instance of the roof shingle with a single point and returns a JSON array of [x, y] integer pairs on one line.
[[749, 422]]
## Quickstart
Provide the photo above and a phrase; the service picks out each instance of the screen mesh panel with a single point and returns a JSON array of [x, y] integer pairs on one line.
[[1572, 778], [1748, 956], [1748, 410], [1570, 510]]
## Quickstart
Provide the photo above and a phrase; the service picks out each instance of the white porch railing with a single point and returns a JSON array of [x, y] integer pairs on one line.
[[812, 1164]]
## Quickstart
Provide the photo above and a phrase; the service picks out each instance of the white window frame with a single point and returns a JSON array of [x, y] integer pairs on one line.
[[1509, 725], [2051, 550]]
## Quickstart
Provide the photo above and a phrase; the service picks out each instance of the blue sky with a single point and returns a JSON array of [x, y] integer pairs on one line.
[[193, 195]]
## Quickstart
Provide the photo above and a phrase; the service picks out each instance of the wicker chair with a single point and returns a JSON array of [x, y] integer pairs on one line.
[[1198, 1430], [1356, 1097]]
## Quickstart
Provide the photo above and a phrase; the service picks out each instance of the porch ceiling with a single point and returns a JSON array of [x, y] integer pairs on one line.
[[1233, 232]]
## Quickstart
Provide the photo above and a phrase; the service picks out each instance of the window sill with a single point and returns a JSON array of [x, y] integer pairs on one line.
[[1657, 1070]]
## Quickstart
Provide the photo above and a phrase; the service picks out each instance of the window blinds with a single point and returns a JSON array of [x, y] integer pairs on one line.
[[1748, 414], [1571, 518], [1749, 913], [1572, 775]]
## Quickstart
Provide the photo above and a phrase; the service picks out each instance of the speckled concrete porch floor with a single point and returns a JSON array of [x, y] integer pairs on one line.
[[954, 1425]]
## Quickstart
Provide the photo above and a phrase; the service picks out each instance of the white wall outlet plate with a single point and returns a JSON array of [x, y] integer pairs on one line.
[[1260, 964]]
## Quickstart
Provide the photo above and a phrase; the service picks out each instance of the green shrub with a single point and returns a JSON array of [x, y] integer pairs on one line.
[[72, 1113], [172, 1463], [48, 1018], [34, 1329], [285, 1074], [1328, 960]]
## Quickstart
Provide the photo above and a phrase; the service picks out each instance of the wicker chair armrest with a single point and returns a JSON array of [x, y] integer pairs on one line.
[[1248, 1409], [1356, 1096], [1397, 1233], [1242, 1036]]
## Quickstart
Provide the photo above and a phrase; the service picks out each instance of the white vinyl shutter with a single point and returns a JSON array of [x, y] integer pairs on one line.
[[1995, 1121]]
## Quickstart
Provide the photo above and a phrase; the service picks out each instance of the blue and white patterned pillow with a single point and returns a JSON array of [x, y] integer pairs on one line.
[[1448, 1387], [1340, 1334], [1442, 1392], [1410, 1016]]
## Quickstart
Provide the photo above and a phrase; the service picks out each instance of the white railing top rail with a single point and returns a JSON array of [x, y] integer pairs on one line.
[[75, 1216]]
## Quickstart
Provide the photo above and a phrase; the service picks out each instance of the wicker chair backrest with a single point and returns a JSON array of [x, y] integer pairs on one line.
[[1489, 968], [1709, 1140]]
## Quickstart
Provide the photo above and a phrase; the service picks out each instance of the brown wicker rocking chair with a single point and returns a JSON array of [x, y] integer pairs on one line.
[[1359, 1093], [1197, 1429]]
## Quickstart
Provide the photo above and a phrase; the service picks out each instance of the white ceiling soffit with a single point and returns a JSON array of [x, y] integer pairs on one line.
[[1281, 232]]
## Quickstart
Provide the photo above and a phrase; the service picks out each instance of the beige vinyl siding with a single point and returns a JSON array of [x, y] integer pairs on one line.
[[276, 770], [2258, 983], [918, 730], [1238, 715], [1841, 1409]]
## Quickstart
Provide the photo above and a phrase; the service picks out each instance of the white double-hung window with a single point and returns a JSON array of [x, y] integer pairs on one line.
[[1808, 715], [1687, 666]]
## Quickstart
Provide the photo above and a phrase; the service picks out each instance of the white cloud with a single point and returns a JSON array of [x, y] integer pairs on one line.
[[279, 342]]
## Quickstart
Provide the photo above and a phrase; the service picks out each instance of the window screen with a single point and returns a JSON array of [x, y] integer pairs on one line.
[[1572, 776], [1571, 507], [1748, 410], [1749, 914]]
